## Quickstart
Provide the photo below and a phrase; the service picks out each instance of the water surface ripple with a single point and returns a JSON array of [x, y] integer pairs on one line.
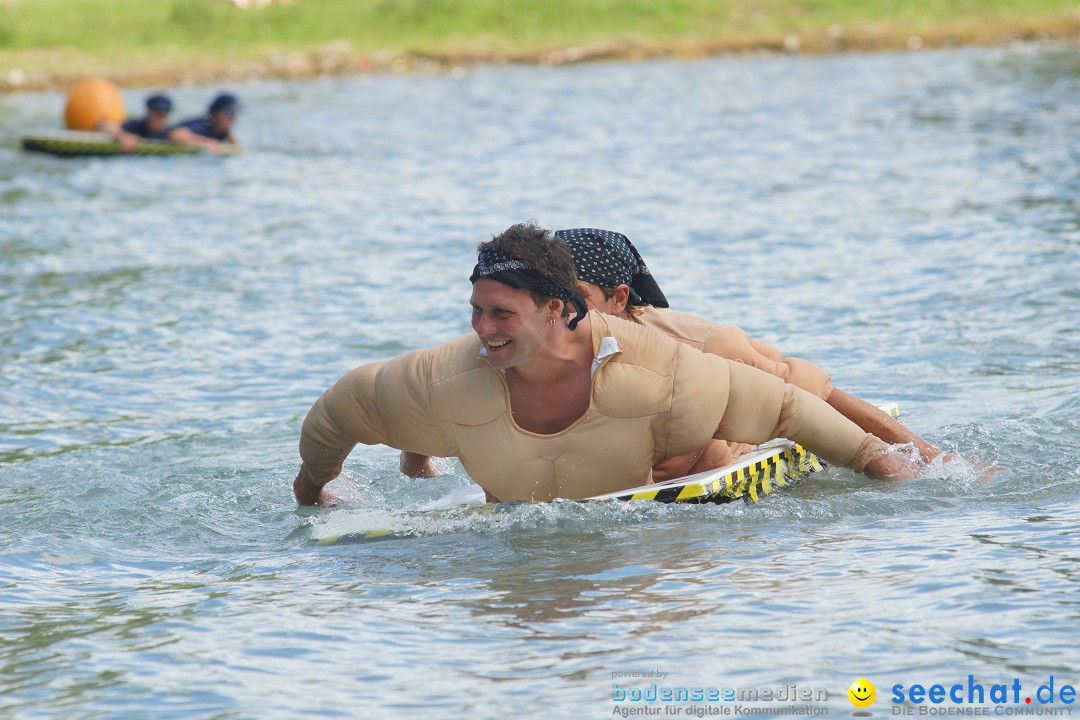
[[908, 221]]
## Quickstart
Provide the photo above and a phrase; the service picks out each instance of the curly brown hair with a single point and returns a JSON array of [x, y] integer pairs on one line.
[[540, 250]]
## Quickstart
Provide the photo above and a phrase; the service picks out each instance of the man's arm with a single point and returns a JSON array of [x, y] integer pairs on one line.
[[127, 140], [745, 404], [760, 408], [383, 403], [184, 136], [345, 415], [308, 493], [877, 422], [732, 343]]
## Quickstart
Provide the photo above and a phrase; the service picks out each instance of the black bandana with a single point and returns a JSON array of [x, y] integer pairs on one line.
[[496, 265], [609, 259]]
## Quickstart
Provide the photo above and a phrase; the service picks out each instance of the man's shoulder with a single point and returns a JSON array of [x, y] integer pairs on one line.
[[461, 387], [456, 356], [639, 345], [684, 327], [446, 360]]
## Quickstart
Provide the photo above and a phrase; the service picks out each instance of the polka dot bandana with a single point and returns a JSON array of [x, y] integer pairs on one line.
[[609, 259]]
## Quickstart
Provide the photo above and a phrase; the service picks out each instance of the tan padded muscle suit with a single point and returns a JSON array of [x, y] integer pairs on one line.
[[654, 399], [732, 343]]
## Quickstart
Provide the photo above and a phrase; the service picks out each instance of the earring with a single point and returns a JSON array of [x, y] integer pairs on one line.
[[551, 322]]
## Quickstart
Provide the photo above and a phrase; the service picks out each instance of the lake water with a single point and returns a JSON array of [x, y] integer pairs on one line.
[[910, 222]]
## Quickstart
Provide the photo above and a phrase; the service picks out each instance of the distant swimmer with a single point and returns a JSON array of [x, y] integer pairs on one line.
[[212, 130], [154, 125], [613, 279], [546, 399]]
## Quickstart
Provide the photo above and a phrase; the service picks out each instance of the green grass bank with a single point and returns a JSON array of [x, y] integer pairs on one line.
[[50, 43]]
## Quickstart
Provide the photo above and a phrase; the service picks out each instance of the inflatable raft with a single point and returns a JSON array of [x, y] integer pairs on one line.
[[78, 143]]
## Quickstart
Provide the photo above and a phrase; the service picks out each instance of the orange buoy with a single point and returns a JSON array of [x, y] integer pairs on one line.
[[91, 101]]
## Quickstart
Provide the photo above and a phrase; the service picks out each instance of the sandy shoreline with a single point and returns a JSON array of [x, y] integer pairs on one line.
[[33, 70]]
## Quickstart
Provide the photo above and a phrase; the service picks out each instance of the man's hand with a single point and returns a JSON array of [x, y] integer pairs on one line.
[[308, 493], [127, 141], [417, 466], [892, 464]]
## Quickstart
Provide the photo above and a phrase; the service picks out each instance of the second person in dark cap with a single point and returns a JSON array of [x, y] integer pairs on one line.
[[211, 130], [613, 279]]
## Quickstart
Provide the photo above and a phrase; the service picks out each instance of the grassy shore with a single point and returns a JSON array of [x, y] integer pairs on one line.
[[50, 43]]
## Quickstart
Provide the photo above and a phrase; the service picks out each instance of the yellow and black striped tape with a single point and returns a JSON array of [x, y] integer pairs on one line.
[[749, 483]]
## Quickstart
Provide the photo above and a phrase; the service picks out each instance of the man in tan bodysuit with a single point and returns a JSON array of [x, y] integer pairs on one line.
[[543, 401]]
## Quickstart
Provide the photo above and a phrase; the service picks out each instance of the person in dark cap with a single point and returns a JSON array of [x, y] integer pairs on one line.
[[153, 126], [614, 280], [603, 256], [212, 130], [155, 123]]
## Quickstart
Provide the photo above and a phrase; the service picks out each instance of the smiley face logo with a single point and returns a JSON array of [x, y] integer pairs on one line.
[[862, 693]]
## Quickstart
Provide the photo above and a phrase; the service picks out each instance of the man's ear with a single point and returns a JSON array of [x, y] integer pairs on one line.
[[622, 299], [555, 305]]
